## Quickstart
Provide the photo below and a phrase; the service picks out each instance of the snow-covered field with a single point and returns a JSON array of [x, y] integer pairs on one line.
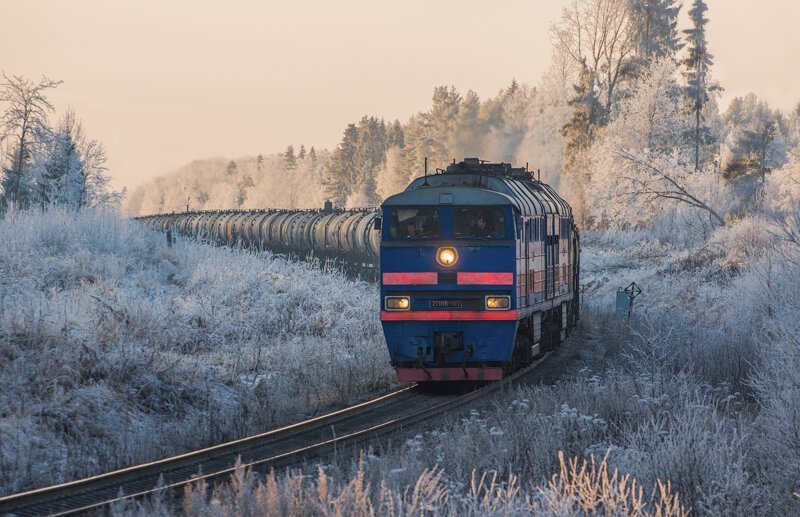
[[116, 349]]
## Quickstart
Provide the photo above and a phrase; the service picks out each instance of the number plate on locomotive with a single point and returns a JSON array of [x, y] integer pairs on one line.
[[446, 304]]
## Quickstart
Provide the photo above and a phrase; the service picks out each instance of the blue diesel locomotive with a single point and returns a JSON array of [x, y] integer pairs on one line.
[[478, 265], [479, 272]]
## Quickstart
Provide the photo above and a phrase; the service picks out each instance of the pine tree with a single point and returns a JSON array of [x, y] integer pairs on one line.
[[60, 169], [655, 25], [232, 169], [697, 70], [312, 154], [586, 117], [578, 132], [302, 154], [394, 134], [242, 185], [340, 167], [289, 159], [756, 143], [71, 169], [260, 164]]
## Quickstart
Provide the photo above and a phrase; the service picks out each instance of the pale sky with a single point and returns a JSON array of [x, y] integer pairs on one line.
[[161, 83]]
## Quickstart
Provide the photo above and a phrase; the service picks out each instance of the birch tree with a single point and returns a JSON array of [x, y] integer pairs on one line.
[[24, 129], [599, 35]]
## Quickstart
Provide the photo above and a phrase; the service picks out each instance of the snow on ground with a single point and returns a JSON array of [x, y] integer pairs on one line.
[[700, 390], [115, 349]]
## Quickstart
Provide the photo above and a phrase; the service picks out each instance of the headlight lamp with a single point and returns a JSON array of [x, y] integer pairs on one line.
[[447, 256], [398, 303], [498, 302]]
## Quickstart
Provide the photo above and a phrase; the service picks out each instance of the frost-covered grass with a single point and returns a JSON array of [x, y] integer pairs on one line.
[[700, 390], [116, 349]]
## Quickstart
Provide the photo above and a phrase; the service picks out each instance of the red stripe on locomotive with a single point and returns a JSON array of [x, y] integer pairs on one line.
[[410, 278]]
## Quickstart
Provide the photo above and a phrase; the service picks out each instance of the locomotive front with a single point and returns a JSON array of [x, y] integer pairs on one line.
[[447, 281]]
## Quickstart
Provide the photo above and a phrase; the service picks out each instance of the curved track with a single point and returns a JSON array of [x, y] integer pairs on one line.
[[280, 447]]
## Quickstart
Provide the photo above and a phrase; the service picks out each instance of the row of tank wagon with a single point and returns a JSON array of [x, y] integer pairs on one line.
[[345, 236]]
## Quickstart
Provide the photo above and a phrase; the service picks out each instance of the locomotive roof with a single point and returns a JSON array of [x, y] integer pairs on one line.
[[473, 182]]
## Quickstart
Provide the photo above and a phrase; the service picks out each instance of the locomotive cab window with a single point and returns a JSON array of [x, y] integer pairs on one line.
[[414, 223], [479, 222]]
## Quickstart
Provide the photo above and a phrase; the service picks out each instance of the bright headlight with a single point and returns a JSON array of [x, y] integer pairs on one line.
[[398, 303], [447, 256], [498, 302]]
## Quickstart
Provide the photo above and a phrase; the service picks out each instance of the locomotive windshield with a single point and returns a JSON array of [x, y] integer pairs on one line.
[[415, 223], [479, 222]]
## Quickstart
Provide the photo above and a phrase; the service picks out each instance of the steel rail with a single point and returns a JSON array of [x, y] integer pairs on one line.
[[17, 503], [277, 448]]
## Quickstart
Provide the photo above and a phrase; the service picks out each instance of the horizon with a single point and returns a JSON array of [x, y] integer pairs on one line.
[[140, 96]]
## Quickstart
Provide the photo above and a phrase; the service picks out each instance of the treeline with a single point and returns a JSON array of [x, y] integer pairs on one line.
[[376, 159], [625, 123], [292, 179], [47, 164]]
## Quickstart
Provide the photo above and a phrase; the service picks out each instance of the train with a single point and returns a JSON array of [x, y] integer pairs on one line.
[[343, 239], [478, 264]]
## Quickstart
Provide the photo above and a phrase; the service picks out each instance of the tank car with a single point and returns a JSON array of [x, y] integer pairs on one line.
[[344, 238], [479, 272]]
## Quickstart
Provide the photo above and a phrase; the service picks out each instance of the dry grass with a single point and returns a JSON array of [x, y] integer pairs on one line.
[[580, 487]]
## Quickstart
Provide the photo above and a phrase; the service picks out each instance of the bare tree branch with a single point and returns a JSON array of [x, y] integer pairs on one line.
[[675, 191]]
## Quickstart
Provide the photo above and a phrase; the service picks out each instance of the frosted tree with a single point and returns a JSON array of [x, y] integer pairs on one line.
[[442, 118], [655, 28], [638, 168], [58, 167], [697, 65], [70, 169], [301, 155], [597, 34], [419, 144], [244, 183], [339, 173], [24, 129], [370, 154], [391, 177], [467, 138], [755, 143], [289, 159], [394, 134], [578, 132], [312, 155], [232, 169]]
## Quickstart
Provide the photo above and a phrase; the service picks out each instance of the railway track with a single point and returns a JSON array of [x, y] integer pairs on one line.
[[277, 448]]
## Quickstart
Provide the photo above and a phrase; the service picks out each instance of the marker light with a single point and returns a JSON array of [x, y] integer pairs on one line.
[[498, 302], [447, 256], [398, 303]]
